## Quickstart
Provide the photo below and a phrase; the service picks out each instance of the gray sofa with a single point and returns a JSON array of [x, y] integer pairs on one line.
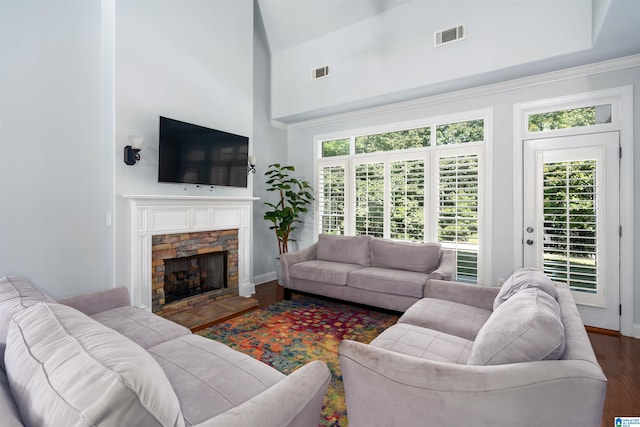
[[481, 356], [95, 360], [366, 270]]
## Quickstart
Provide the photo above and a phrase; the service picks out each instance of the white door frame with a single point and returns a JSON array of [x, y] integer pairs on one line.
[[621, 100], [599, 309]]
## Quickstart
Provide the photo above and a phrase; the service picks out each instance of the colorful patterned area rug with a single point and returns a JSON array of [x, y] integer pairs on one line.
[[289, 334]]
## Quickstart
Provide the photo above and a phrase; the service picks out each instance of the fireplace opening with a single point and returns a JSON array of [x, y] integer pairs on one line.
[[194, 275]]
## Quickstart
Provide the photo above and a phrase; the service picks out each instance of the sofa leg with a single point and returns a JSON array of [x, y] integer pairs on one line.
[[287, 293]]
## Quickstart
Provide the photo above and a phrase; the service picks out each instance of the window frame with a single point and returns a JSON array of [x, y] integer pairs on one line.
[[428, 155], [622, 121], [551, 105]]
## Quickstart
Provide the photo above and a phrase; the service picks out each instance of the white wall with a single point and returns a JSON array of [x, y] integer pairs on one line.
[[501, 100], [52, 227], [270, 145], [77, 78], [390, 53], [190, 60]]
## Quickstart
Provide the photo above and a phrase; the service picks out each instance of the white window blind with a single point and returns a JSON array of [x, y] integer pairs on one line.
[[407, 200], [570, 223], [331, 199], [458, 205], [369, 200]]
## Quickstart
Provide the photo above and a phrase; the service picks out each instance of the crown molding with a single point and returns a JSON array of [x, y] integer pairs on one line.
[[494, 88]]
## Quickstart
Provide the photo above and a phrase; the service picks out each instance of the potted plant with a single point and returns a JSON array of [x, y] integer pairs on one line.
[[294, 197]]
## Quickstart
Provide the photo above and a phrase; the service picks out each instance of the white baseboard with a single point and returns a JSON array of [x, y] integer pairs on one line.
[[264, 278], [636, 331], [247, 289]]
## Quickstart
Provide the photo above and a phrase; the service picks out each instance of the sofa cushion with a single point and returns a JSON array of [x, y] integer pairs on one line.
[[16, 294], [333, 273], [420, 257], [142, 327], [64, 369], [209, 377], [397, 282], [424, 343], [347, 249], [446, 316], [10, 414], [527, 327], [524, 278]]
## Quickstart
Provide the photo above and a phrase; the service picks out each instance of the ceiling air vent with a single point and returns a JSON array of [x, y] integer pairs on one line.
[[320, 72], [449, 35]]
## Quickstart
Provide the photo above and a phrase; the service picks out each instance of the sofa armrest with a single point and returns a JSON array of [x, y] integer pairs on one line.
[[295, 401], [383, 387], [463, 293], [97, 302], [447, 268], [291, 258]]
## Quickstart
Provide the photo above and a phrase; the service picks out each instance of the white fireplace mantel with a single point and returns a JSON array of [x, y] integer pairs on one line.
[[154, 215]]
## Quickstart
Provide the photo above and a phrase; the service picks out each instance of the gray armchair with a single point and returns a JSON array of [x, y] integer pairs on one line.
[[410, 383]]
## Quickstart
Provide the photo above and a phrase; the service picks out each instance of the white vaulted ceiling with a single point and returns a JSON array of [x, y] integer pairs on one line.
[[291, 22], [302, 34]]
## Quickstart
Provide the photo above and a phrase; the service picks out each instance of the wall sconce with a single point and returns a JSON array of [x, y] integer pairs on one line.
[[252, 164], [132, 152]]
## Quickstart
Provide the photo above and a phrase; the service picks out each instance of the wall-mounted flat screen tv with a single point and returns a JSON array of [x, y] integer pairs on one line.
[[192, 154]]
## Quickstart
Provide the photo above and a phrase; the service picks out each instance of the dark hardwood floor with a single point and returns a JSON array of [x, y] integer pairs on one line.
[[268, 293], [618, 356]]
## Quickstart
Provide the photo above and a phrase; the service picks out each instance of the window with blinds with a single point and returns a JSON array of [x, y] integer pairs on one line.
[[407, 200], [458, 204], [421, 184], [369, 200], [331, 199], [570, 223]]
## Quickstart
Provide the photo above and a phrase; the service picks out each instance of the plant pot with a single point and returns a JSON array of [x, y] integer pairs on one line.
[[278, 271]]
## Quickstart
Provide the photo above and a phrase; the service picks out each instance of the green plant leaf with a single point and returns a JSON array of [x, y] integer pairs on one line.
[[295, 197]]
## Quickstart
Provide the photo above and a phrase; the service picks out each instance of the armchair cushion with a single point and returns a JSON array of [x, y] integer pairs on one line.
[[524, 278], [424, 343], [527, 327], [347, 249], [446, 316], [420, 257]]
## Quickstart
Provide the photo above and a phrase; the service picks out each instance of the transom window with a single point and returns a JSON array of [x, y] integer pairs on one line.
[[417, 184], [590, 115]]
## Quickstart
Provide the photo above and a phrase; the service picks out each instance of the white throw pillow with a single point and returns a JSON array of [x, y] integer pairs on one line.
[[16, 294], [66, 369], [527, 327], [524, 278]]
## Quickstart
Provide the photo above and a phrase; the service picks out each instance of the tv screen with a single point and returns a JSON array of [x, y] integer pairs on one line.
[[193, 154]]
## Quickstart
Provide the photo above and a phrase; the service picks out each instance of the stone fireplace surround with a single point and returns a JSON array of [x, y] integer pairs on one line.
[[167, 247], [167, 215]]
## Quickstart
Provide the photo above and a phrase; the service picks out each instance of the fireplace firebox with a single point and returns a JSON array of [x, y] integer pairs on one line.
[[195, 275]]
